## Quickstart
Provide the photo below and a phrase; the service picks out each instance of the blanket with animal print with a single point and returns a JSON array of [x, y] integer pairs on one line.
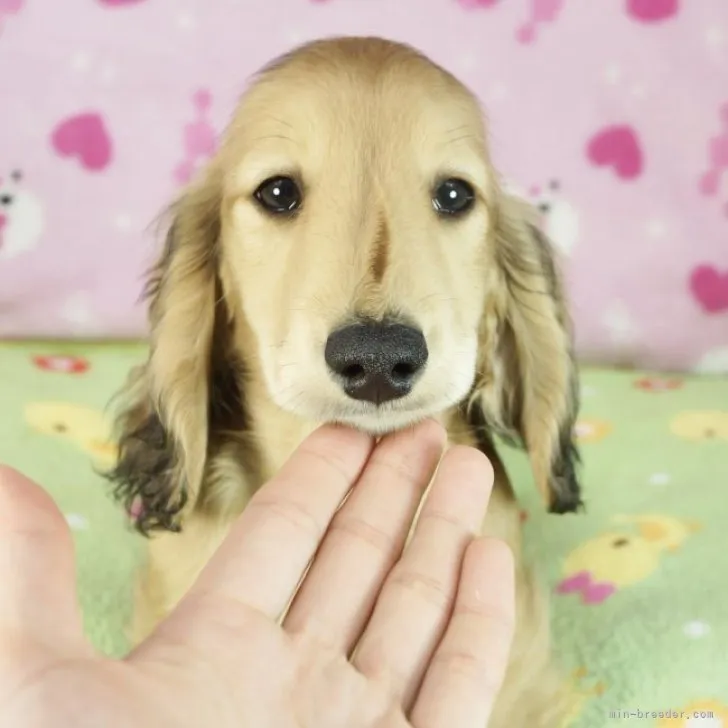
[[639, 588]]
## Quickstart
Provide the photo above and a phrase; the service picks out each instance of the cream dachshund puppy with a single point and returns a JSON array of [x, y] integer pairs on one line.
[[348, 256]]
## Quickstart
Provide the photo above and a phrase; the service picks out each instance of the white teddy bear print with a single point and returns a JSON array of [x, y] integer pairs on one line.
[[559, 218], [21, 217]]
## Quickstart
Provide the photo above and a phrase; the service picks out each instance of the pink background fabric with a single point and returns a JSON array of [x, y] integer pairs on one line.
[[612, 113]]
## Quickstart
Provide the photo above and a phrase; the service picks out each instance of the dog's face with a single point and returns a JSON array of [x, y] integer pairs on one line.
[[357, 240], [351, 250]]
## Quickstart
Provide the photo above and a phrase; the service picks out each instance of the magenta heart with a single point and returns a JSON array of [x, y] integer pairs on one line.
[[710, 288], [477, 3], [84, 136], [136, 509], [116, 3], [9, 7], [526, 34], [577, 582], [591, 593], [617, 147], [546, 10], [708, 184], [718, 151], [652, 11], [597, 593]]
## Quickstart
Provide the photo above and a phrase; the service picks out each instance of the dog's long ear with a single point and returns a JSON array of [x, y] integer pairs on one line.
[[528, 389], [164, 431]]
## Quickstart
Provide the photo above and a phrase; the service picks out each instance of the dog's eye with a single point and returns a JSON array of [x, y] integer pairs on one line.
[[279, 195], [453, 197]]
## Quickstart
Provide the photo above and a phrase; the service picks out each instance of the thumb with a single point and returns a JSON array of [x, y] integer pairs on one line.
[[38, 601]]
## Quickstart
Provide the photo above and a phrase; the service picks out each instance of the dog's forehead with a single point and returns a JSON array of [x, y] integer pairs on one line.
[[340, 85], [338, 109]]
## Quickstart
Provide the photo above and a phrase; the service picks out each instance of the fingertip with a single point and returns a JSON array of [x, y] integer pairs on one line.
[[341, 447], [472, 460], [489, 566], [432, 432], [338, 436], [26, 505], [427, 434], [468, 471], [37, 569], [9, 476], [489, 550], [431, 428]]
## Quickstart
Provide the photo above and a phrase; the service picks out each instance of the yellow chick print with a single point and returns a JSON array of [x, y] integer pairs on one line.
[[706, 713], [701, 425], [613, 560], [580, 694], [84, 427]]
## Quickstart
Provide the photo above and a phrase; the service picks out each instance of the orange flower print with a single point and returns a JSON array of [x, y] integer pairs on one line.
[[62, 363], [658, 384]]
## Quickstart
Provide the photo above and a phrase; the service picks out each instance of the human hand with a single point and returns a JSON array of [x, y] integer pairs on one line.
[[374, 637]]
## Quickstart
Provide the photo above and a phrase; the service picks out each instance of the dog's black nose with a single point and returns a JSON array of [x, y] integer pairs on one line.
[[376, 361]]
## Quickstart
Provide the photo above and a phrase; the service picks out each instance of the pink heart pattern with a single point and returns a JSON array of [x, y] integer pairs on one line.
[[117, 3], [709, 287], [200, 139], [582, 583], [652, 11], [477, 3], [542, 11], [617, 147], [10, 7], [545, 11], [709, 182], [84, 136]]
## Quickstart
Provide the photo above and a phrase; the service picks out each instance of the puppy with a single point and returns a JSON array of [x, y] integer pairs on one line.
[[348, 256]]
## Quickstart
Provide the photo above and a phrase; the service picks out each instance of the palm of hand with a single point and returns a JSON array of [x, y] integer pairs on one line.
[[375, 637]]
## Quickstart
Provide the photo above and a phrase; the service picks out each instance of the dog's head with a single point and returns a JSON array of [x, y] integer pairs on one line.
[[350, 247]]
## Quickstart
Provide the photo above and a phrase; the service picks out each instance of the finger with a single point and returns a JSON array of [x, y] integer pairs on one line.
[[263, 558], [468, 667], [365, 539], [414, 606], [37, 571]]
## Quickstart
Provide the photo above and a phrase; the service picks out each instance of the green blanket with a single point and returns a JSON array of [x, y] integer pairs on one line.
[[640, 581]]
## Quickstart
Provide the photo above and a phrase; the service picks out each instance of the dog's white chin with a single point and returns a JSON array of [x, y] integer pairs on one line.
[[369, 418], [381, 423]]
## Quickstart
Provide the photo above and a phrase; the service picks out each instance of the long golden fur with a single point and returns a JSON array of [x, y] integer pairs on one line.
[[242, 301]]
